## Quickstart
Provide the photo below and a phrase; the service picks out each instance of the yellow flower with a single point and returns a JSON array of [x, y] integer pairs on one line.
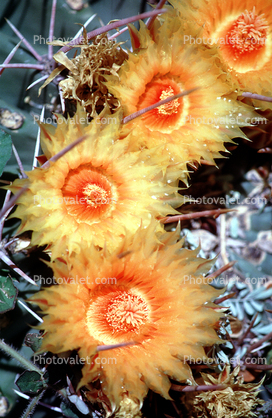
[[242, 31], [191, 127], [150, 292], [95, 192]]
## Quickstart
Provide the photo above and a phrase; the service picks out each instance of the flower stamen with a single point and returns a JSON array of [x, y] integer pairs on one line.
[[95, 195], [168, 115], [127, 312], [171, 107], [246, 42], [248, 33]]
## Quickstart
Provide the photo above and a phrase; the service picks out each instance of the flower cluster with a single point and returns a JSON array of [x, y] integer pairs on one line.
[[111, 172]]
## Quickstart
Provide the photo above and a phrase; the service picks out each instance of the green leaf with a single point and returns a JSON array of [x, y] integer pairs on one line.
[[5, 149], [249, 308], [265, 294], [232, 308], [9, 370], [261, 221], [32, 382], [243, 292], [8, 294], [266, 329], [67, 412], [257, 306], [240, 313], [33, 340], [247, 268]]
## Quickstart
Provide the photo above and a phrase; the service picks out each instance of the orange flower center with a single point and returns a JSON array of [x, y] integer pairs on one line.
[[88, 194], [166, 116], [126, 312], [244, 47], [248, 33], [95, 195], [171, 107], [116, 315]]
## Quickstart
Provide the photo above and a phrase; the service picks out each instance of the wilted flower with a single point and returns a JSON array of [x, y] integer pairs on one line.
[[128, 409], [237, 400], [86, 82], [87, 71]]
